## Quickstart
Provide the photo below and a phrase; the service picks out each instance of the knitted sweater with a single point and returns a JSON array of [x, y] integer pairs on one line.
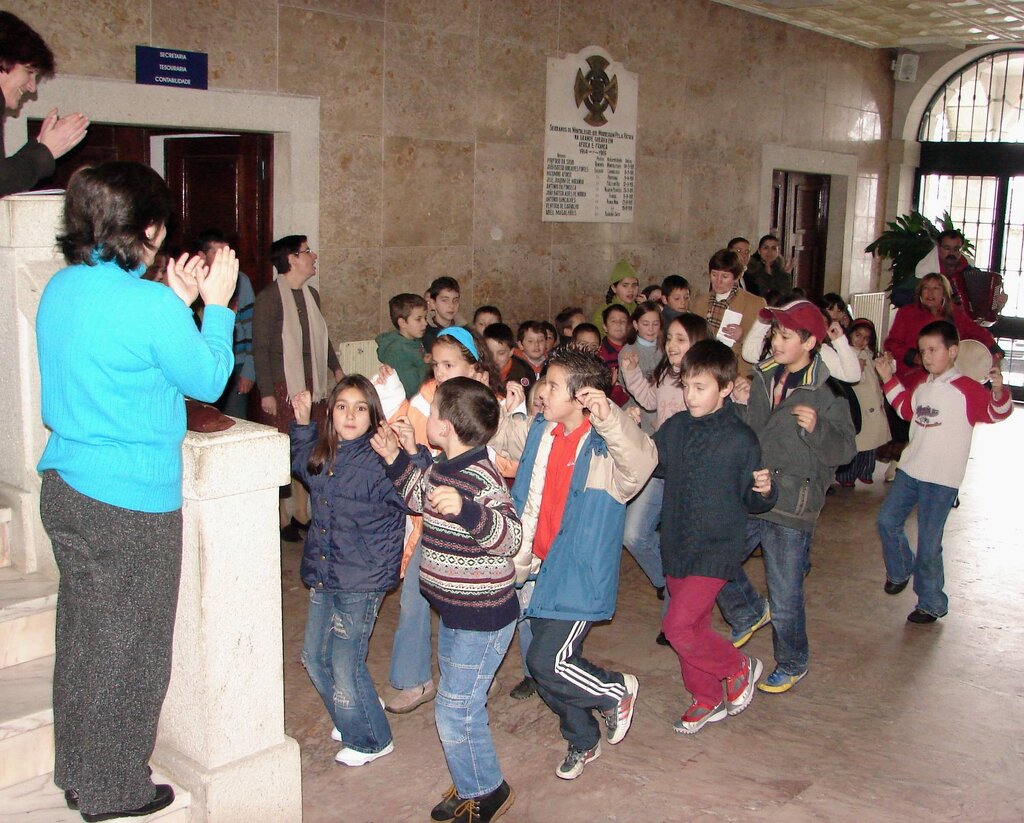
[[943, 412], [116, 354], [708, 464], [466, 571]]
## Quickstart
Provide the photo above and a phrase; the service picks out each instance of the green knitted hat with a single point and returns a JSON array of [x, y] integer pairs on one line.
[[621, 271]]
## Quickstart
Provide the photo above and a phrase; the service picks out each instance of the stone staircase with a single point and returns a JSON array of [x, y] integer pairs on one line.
[[27, 617]]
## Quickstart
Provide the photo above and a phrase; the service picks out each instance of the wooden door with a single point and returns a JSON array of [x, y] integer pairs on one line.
[[103, 144], [800, 221], [224, 183]]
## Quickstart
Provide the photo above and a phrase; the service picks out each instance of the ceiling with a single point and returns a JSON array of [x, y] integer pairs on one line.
[[920, 26]]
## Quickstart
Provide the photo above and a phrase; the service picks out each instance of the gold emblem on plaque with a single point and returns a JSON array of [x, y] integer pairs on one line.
[[596, 91]]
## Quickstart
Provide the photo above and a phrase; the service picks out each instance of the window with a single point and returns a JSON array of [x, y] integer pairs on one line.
[[972, 164]]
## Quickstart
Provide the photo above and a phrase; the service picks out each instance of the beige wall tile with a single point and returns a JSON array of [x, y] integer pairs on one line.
[[372, 9], [509, 92], [350, 285], [508, 193], [458, 16], [429, 83], [239, 38], [351, 194], [516, 279], [533, 22], [98, 41], [341, 60], [803, 121], [412, 269], [657, 218], [428, 192]]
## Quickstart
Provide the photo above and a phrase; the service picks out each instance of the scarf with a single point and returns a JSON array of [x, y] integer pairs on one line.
[[716, 309], [291, 336]]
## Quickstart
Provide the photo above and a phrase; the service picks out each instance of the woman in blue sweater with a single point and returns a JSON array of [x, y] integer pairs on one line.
[[117, 354]]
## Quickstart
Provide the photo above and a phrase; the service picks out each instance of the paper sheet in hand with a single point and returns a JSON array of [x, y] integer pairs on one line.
[[729, 318]]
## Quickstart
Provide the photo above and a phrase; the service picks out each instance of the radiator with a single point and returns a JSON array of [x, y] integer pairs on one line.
[[875, 307], [359, 357]]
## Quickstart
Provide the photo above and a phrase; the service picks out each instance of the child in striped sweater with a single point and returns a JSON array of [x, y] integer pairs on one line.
[[470, 536]]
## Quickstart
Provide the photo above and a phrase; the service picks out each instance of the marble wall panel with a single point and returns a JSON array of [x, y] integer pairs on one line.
[[98, 42], [239, 38], [531, 22], [656, 217], [372, 9], [803, 121], [428, 192], [664, 107], [509, 92], [350, 292], [341, 60], [429, 83], [579, 274], [411, 269], [516, 279], [508, 193], [351, 194], [458, 16]]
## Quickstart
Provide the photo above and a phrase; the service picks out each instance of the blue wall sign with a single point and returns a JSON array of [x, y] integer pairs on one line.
[[170, 67]]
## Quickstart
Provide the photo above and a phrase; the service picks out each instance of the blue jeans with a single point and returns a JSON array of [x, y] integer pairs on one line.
[[933, 503], [338, 628], [786, 555], [410, 652], [468, 661], [640, 536]]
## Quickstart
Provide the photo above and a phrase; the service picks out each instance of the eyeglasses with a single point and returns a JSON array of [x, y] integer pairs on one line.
[[303, 251]]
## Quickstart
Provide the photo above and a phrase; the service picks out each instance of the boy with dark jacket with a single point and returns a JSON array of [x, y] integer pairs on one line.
[[579, 464], [713, 478], [803, 422]]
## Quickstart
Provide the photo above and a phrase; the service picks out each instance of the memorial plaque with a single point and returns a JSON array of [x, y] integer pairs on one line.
[[590, 141]]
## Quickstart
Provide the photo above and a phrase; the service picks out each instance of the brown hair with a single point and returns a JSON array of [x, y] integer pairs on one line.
[[20, 43], [484, 364], [696, 328], [401, 306], [107, 210], [725, 260], [711, 357], [470, 407]]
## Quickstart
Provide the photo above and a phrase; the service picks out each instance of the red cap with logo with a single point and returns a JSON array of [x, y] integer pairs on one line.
[[800, 315]]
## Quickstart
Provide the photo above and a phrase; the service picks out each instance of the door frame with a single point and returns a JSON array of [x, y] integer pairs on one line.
[[842, 202], [294, 121]]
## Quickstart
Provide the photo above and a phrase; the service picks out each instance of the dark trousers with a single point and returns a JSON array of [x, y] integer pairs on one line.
[[571, 685], [118, 593]]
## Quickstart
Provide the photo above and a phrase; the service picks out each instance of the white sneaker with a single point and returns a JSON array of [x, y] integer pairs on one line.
[[350, 757]]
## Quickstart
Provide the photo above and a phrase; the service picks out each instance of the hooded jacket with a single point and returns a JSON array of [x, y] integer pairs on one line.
[[802, 464], [355, 538]]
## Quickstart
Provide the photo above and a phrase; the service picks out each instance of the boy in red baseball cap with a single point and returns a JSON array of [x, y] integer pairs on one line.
[[802, 420]]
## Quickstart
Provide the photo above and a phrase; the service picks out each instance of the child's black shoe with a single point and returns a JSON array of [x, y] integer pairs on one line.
[[444, 812], [489, 807]]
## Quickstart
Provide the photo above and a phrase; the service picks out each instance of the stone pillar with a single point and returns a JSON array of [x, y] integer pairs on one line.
[[222, 728], [28, 259]]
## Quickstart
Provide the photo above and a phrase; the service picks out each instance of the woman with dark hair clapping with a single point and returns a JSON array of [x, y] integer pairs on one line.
[[116, 356]]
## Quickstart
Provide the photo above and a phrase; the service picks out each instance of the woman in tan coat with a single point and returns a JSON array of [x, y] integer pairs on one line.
[[724, 301]]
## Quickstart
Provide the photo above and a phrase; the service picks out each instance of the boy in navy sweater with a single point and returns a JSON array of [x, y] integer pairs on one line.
[[713, 479], [942, 412], [470, 535]]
